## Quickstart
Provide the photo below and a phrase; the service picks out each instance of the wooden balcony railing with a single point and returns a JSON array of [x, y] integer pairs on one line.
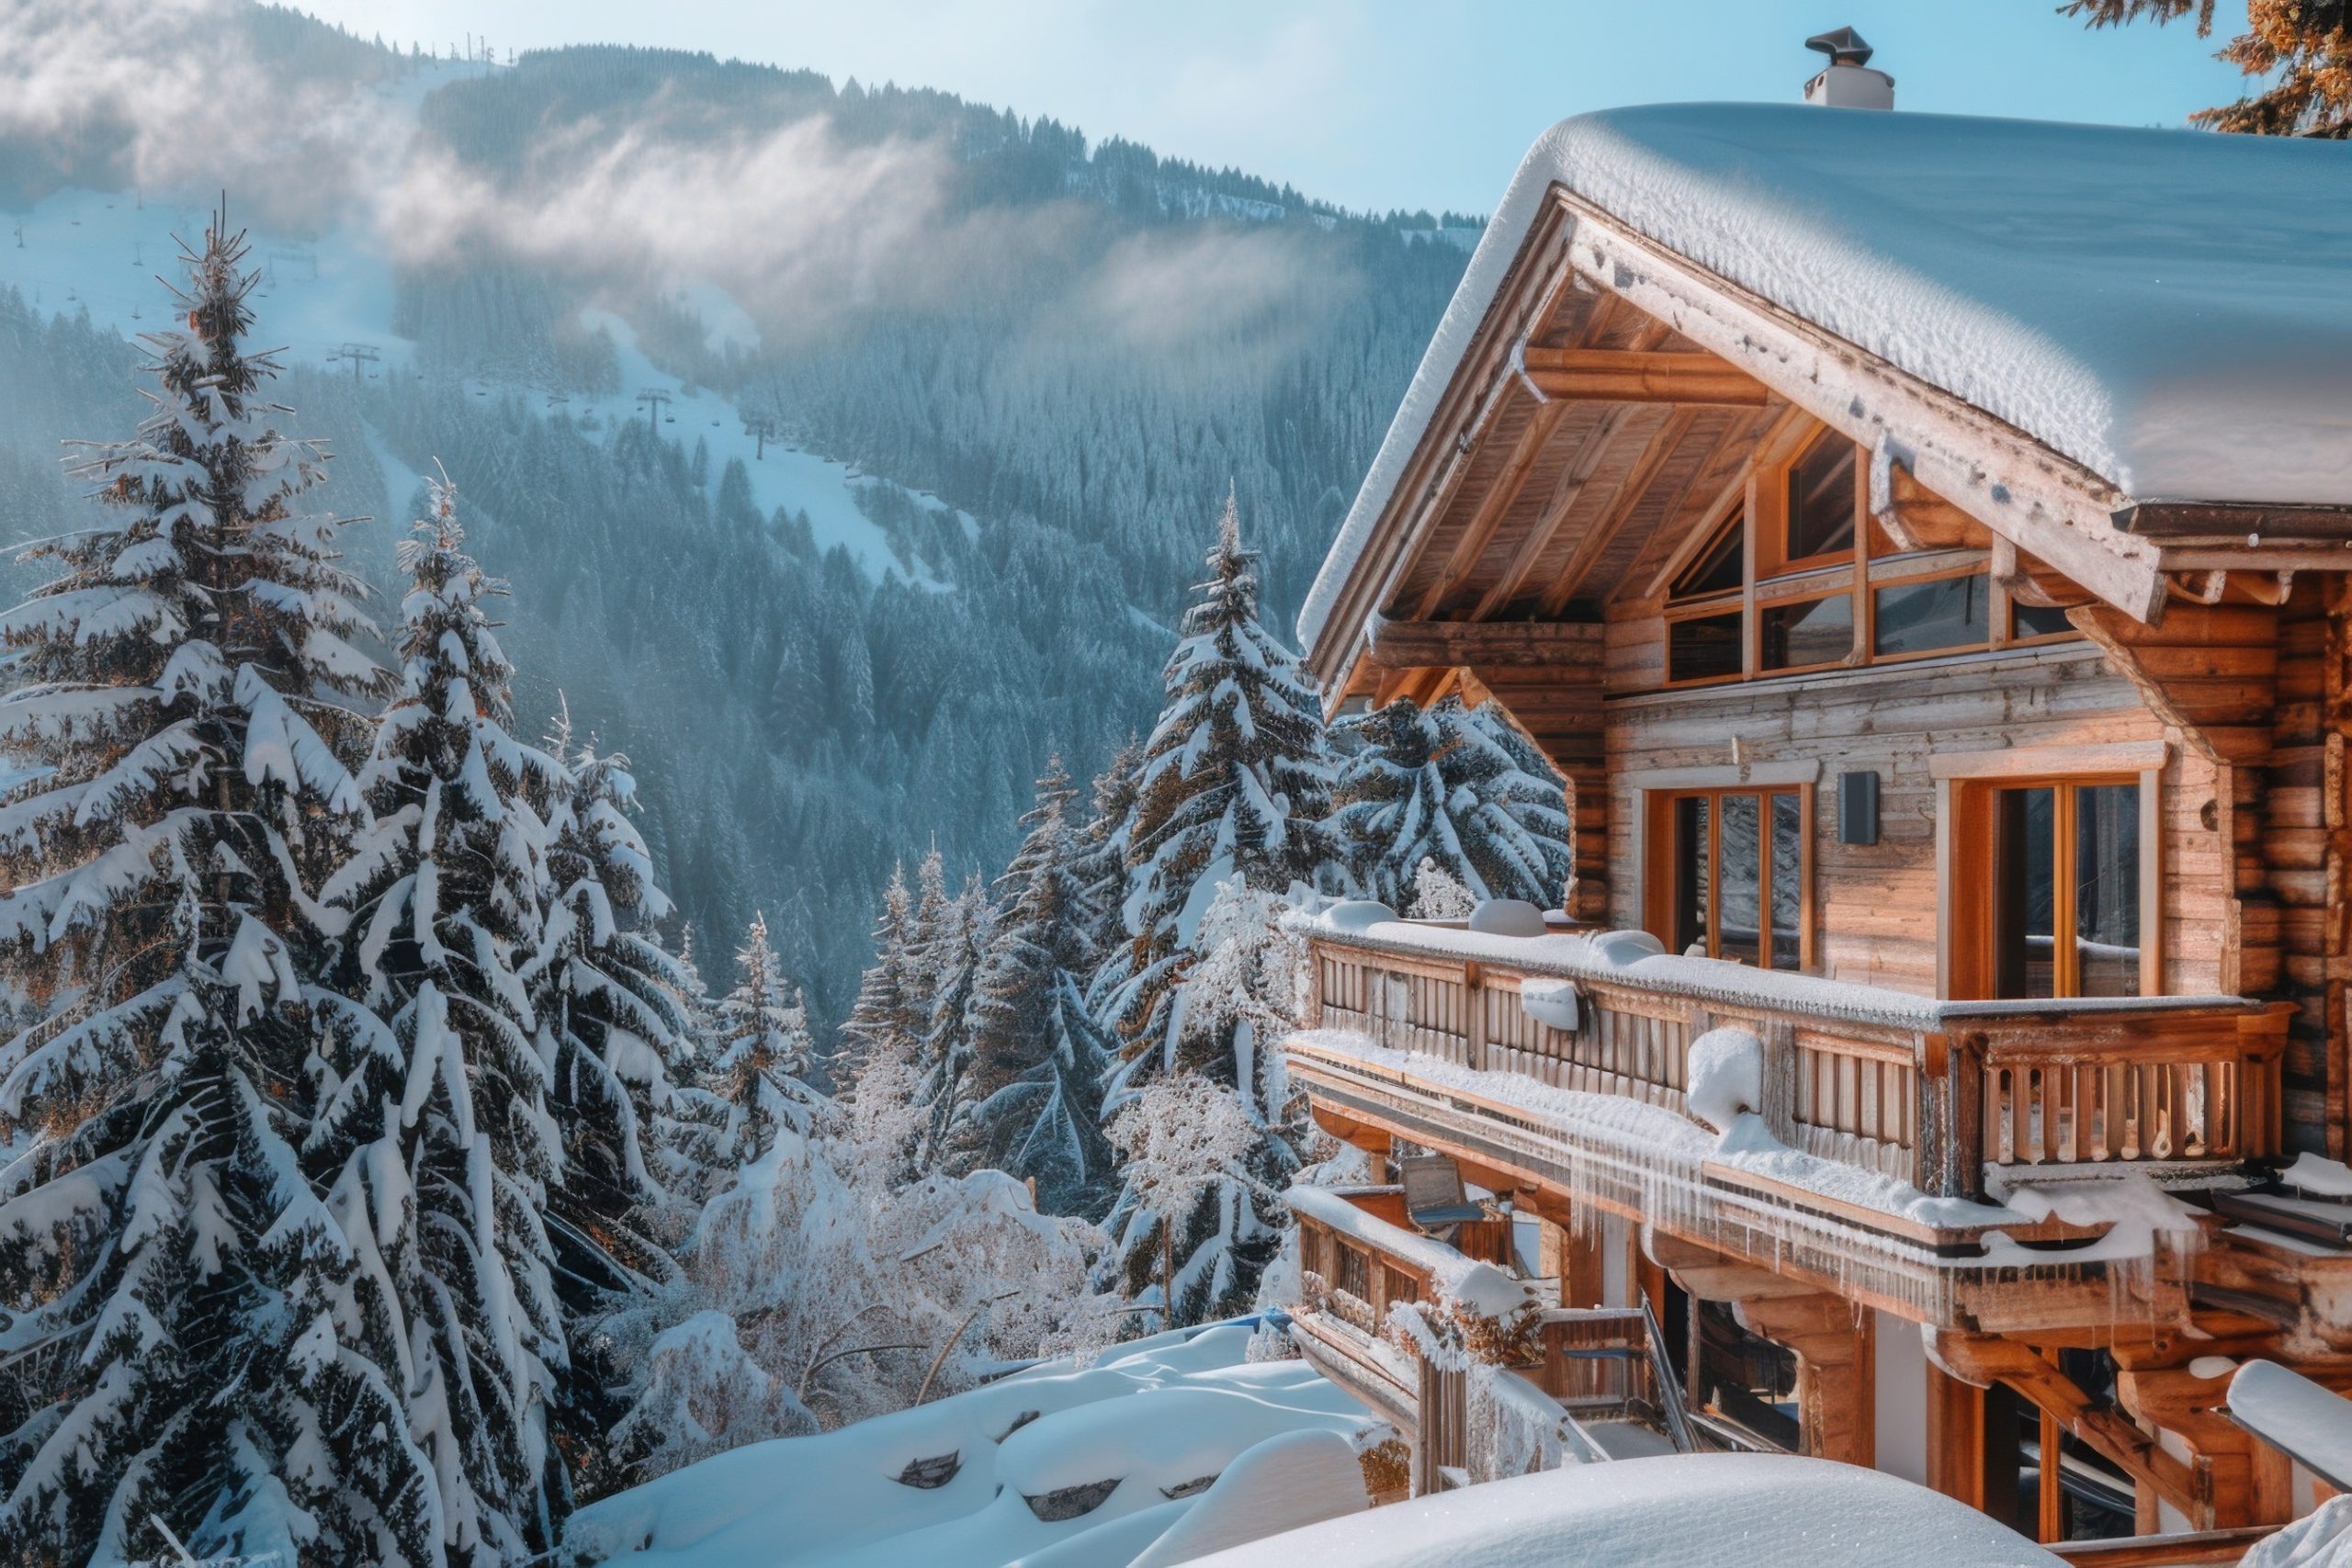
[[1923, 1090]]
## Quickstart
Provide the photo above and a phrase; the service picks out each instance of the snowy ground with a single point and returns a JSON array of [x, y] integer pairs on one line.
[[1165, 1415], [103, 251]]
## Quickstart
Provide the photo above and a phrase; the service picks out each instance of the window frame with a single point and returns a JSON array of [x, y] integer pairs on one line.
[[1660, 914], [1965, 873]]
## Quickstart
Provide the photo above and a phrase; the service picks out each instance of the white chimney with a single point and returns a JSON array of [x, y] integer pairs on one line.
[[1847, 83]]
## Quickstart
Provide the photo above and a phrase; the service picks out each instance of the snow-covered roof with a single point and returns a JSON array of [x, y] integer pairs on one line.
[[2172, 310], [1692, 1510]]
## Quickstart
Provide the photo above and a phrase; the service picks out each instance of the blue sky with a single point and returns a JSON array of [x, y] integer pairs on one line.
[[1381, 103]]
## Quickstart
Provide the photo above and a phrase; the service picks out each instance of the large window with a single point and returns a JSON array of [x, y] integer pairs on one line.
[[2064, 888], [1799, 577], [1728, 873]]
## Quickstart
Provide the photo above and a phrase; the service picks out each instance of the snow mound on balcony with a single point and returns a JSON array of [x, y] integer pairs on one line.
[[1690, 1511], [2318, 1175], [1164, 1413], [1726, 1077]]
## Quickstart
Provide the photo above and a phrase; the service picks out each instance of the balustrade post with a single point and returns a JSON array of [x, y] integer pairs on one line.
[[1779, 1038], [1473, 1023], [1949, 1157]]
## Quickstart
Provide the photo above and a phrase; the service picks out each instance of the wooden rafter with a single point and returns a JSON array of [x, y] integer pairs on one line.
[[1633, 376], [1578, 473], [1495, 503], [1606, 527]]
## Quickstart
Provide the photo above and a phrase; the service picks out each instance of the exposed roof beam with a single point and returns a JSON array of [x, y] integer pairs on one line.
[[1631, 376], [1422, 645]]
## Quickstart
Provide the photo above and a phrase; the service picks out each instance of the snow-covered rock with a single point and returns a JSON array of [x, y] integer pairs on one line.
[[1726, 1077], [1507, 916]]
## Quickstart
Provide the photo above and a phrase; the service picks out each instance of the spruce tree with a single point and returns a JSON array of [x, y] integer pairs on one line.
[[1037, 1054], [177, 1308], [441, 1151], [760, 1075], [1099, 851], [955, 950], [883, 1022], [607, 998], [1232, 789], [1456, 785]]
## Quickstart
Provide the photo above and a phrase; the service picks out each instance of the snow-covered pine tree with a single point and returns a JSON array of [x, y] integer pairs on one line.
[[176, 1305], [760, 1075], [606, 996], [1457, 785], [884, 1022], [440, 1152], [1099, 851], [1037, 1054], [954, 952], [1233, 787]]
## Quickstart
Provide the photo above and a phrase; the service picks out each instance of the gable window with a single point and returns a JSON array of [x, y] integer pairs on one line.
[[1706, 628], [1728, 873], [1800, 577], [1823, 503]]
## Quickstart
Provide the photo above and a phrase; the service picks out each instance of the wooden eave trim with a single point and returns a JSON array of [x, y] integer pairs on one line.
[[2223, 521], [2014, 485], [1487, 374]]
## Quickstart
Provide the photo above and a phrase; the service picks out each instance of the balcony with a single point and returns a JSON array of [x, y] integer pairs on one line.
[[1516, 1382], [1428, 1032]]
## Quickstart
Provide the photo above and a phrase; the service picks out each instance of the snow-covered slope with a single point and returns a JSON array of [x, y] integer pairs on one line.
[[1163, 1415], [1683, 1511], [2170, 308]]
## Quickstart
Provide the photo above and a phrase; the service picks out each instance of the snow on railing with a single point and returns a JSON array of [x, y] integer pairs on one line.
[[1913, 1087]]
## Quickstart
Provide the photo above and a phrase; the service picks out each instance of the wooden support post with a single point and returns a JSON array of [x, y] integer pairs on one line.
[[1836, 1344], [1955, 1438]]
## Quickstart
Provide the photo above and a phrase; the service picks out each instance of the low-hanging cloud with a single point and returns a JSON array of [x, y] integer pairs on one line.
[[799, 224]]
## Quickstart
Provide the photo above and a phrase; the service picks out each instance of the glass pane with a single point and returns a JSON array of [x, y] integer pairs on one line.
[[1691, 879], [2025, 620], [1788, 880], [1817, 631], [1821, 499], [1739, 924], [2024, 892], [1703, 647], [2107, 889], [1913, 617], [1719, 568]]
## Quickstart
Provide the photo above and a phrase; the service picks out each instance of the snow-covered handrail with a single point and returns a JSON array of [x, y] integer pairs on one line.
[[1569, 955], [1923, 1090]]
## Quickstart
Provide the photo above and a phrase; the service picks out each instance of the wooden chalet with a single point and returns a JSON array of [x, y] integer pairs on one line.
[[1939, 737]]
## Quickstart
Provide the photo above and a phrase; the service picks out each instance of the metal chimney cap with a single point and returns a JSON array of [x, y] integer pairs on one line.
[[1844, 47]]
